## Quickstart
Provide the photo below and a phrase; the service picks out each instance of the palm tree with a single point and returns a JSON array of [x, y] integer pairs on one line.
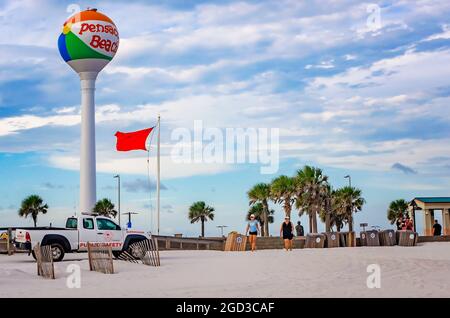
[[199, 211], [282, 190], [311, 188], [260, 193], [397, 208], [336, 220], [327, 213], [32, 205], [105, 207], [330, 213], [349, 201], [258, 210]]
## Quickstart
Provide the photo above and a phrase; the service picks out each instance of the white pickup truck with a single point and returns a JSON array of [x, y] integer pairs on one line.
[[76, 235]]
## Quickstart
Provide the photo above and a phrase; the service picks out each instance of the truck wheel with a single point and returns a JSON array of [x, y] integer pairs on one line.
[[134, 253], [57, 252]]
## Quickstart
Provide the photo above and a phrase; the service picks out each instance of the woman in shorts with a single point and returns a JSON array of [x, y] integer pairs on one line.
[[287, 232], [252, 230]]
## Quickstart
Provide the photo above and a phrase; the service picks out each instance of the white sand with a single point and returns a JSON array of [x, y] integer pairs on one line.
[[421, 271]]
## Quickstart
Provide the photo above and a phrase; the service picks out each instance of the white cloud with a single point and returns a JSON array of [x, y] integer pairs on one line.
[[297, 132], [111, 162], [13, 125], [63, 117], [65, 110], [444, 35], [414, 186], [391, 100], [327, 115], [388, 77], [178, 73], [322, 65], [350, 57], [220, 37], [380, 156]]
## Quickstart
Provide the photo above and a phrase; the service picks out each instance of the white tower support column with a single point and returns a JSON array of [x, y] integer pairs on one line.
[[88, 194], [87, 54], [158, 173]]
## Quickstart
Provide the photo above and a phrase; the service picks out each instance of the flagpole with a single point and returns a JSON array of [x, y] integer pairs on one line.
[[158, 172], [150, 186]]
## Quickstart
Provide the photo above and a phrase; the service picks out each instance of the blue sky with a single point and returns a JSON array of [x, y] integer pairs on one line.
[[347, 98]]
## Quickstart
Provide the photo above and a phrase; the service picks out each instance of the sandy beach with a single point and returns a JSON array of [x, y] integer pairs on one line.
[[421, 271]]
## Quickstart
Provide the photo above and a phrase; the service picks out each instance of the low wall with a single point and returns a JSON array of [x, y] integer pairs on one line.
[[274, 242], [218, 244], [424, 239], [189, 243], [262, 243]]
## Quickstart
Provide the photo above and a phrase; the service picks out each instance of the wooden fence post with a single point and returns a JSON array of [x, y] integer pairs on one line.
[[37, 254], [147, 251], [44, 261], [8, 242], [111, 258], [89, 255], [157, 251], [100, 258]]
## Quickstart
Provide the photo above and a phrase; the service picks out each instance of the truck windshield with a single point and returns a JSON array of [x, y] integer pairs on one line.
[[71, 223]]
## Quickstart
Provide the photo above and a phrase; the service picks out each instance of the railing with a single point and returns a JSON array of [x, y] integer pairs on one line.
[[171, 242]]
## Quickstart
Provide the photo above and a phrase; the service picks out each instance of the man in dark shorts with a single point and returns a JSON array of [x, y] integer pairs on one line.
[[299, 229], [286, 231], [437, 228]]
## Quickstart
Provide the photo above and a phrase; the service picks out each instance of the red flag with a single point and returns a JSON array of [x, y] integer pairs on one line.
[[133, 140]]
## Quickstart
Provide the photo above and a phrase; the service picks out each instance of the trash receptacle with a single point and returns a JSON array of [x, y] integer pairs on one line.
[[332, 239], [315, 240], [388, 238], [370, 238], [407, 238]]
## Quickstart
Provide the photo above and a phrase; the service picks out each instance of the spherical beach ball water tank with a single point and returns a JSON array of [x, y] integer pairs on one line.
[[89, 40]]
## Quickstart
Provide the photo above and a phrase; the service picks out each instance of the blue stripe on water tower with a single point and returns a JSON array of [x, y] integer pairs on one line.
[[63, 48]]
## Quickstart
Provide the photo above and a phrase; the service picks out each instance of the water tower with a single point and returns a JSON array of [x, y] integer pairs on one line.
[[89, 40]]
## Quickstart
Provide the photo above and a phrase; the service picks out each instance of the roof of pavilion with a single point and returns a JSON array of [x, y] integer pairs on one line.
[[433, 199]]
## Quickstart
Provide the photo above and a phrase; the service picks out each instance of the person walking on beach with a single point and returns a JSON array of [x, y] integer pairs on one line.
[[405, 221], [299, 229], [409, 224], [252, 230], [286, 231], [437, 228], [399, 223]]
